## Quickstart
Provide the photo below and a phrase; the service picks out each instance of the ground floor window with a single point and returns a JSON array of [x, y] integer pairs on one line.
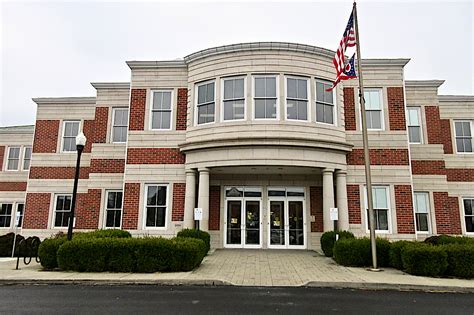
[[5, 215], [113, 211], [19, 213], [156, 205], [422, 206], [381, 204], [469, 214], [62, 210]]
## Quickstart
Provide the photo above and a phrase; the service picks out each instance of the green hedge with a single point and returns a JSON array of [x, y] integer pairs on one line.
[[444, 239], [47, 252], [328, 239], [460, 260], [193, 233], [395, 254], [424, 259], [106, 233], [357, 252]]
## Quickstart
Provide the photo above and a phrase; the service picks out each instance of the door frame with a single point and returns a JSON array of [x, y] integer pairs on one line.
[[269, 232]]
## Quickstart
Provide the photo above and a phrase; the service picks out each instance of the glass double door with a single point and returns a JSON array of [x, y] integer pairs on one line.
[[243, 223], [286, 223]]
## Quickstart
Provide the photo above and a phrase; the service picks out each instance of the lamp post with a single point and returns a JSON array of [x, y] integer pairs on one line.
[[80, 143]]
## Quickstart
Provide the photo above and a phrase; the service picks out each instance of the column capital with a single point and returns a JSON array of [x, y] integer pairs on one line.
[[190, 172], [341, 173], [327, 170], [203, 170]]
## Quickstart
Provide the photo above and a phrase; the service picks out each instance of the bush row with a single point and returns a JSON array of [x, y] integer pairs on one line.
[[328, 239]]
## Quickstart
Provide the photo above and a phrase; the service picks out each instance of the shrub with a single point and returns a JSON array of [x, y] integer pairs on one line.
[[329, 238], [188, 253], [154, 254], [47, 252], [460, 260], [424, 259], [395, 254], [107, 233], [444, 239], [357, 252], [84, 254], [193, 233]]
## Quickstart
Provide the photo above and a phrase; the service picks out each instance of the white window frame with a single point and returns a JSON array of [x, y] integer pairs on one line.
[[105, 209], [150, 119], [24, 158], [334, 112], [382, 110], [389, 210], [471, 125], [428, 206], [196, 106], [114, 109], [464, 215], [167, 211], [22, 215], [222, 98], [277, 92], [53, 223], [12, 216], [308, 100], [64, 130], [8, 159], [420, 124]]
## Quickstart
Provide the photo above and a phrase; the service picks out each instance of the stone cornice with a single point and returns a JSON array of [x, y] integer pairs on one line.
[[456, 98], [424, 83], [111, 85], [26, 129], [156, 64], [64, 100]]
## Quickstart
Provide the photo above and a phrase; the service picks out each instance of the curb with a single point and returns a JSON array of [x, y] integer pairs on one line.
[[389, 287]]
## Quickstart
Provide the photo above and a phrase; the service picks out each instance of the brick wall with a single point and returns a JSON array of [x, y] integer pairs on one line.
[[46, 136], [396, 108], [182, 109], [379, 157], [12, 186], [438, 130], [131, 203], [460, 174], [88, 209], [137, 109], [178, 201], [353, 202], [2, 155], [107, 166], [446, 213], [37, 211], [404, 208], [446, 136], [349, 109], [316, 208], [155, 156], [428, 167], [101, 122], [40, 172], [88, 130], [214, 208]]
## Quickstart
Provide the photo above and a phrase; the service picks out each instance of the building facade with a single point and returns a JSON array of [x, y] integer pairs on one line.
[[249, 134]]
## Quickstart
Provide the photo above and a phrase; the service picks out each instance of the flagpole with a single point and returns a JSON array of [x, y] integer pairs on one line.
[[366, 146]]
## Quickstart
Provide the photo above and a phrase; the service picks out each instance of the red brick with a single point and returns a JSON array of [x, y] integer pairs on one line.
[[316, 208], [214, 208], [101, 121], [46, 172], [88, 130], [428, 167], [107, 166], [379, 157], [349, 109], [37, 211], [12, 186], [155, 156], [131, 202], [46, 136], [88, 209], [178, 201], [404, 208], [438, 130], [182, 109], [446, 213], [460, 174], [353, 202], [2, 154], [137, 109], [396, 108]]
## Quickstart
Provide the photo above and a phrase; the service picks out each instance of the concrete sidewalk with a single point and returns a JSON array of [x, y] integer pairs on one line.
[[248, 268]]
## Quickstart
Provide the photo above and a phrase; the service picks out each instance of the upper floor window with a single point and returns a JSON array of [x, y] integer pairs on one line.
[[422, 213], [26, 158], [119, 124], [265, 97], [463, 136], [414, 124], [234, 99], [469, 214], [70, 131], [205, 102], [373, 109], [324, 103], [381, 204], [161, 110], [296, 99], [156, 205], [13, 161]]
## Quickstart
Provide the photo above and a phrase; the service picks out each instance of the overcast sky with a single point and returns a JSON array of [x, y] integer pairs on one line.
[[58, 48]]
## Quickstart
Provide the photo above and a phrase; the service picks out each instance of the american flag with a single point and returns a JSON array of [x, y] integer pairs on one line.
[[348, 40]]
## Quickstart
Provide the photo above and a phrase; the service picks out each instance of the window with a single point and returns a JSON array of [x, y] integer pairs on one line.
[[161, 110], [19, 213], [422, 206], [296, 99], [373, 109], [414, 124], [205, 103], [113, 211], [26, 158], [469, 214], [5, 215], [13, 161], [324, 103], [156, 205], [381, 206], [62, 210], [234, 99], [119, 124], [70, 131], [265, 98], [463, 136]]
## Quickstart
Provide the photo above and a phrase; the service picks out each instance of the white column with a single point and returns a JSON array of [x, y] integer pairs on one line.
[[203, 197], [328, 198], [190, 199], [341, 195]]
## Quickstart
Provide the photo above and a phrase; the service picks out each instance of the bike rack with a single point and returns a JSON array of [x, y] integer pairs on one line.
[[28, 248]]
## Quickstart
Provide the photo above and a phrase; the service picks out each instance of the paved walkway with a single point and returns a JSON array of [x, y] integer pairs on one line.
[[250, 268]]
